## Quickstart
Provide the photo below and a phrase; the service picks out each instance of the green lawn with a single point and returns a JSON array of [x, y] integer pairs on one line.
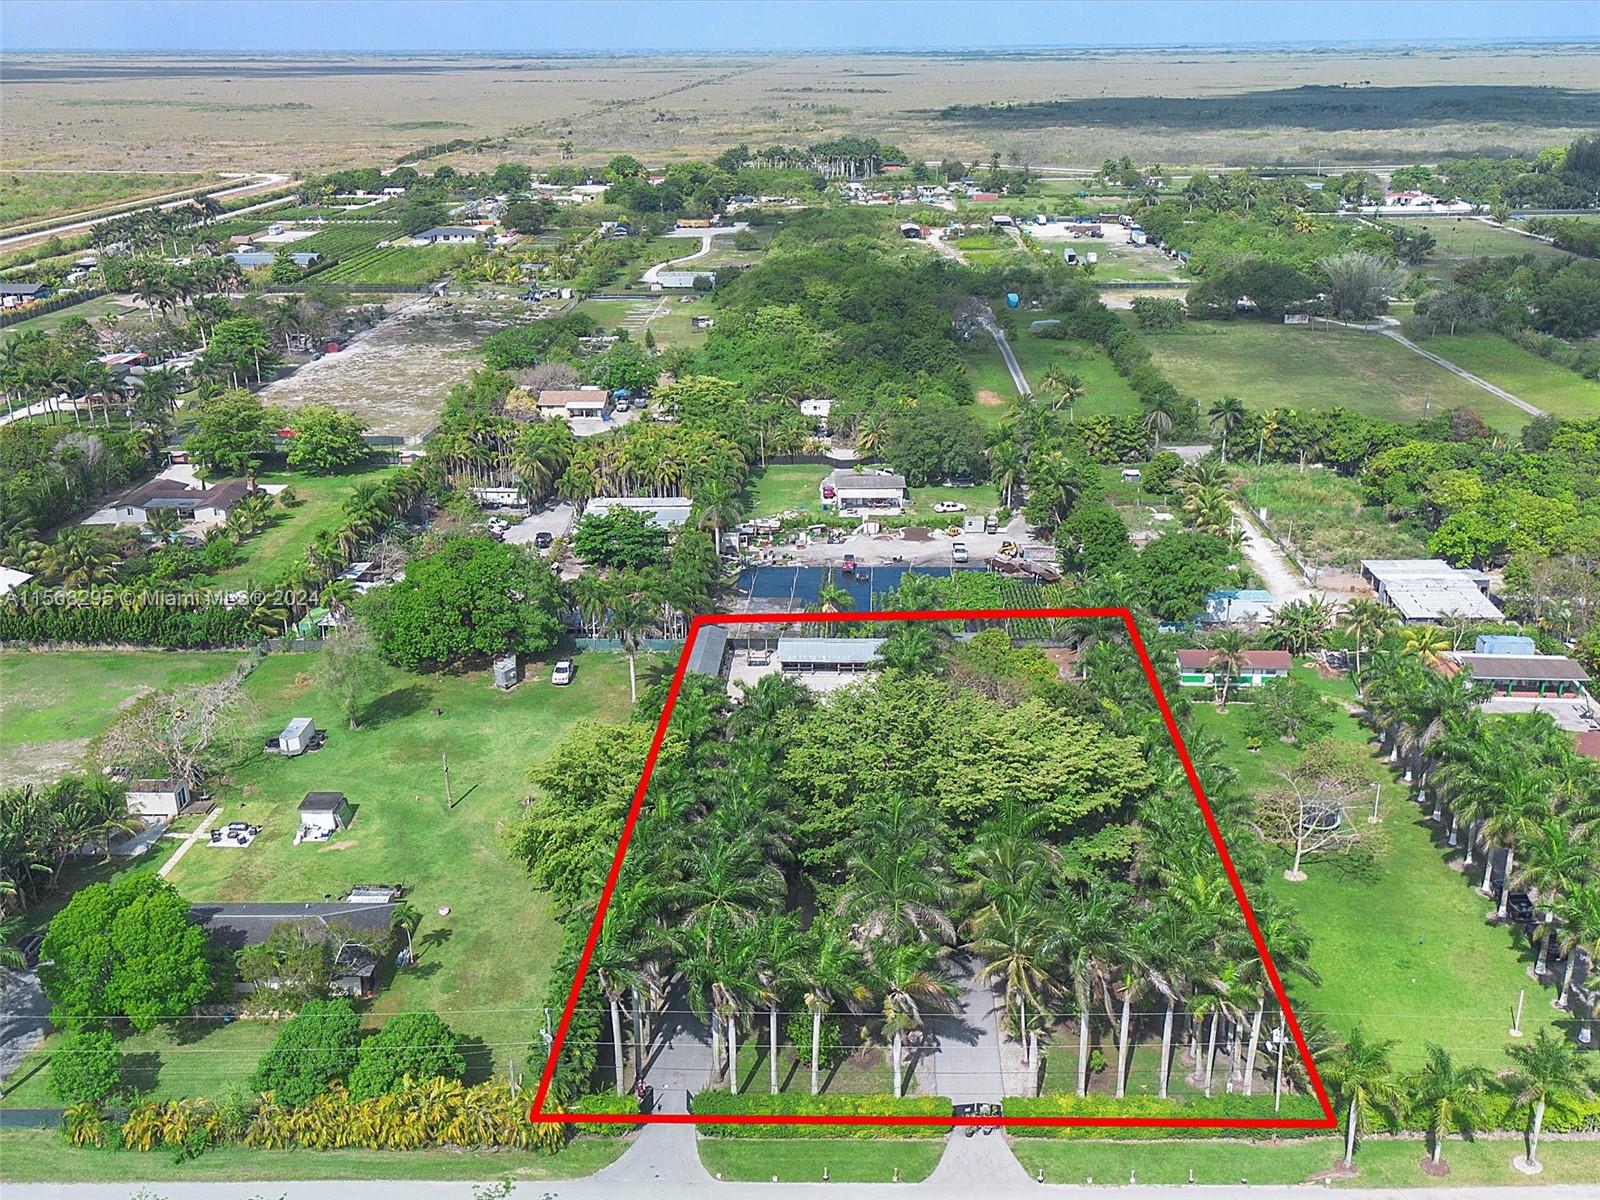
[[1524, 374], [481, 965], [802, 1160], [787, 487], [29, 195], [1463, 238], [1323, 513], [1104, 390], [1381, 1162], [1398, 938], [90, 310], [283, 542], [53, 702], [43, 1156], [1317, 367]]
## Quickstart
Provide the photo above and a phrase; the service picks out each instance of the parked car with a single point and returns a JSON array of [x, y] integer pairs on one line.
[[30, 948], [562, 675], [543, 540], [991, 524], [949, 506], [958, 551]]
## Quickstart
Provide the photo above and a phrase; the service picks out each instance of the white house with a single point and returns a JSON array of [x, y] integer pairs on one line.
[[572, 402], [446, 235], [683, 279], [157, 797], [1258, 667], [864, 491], [210, 504]]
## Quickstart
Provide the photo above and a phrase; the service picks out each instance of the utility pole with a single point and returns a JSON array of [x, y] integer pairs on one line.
[[449, 801]]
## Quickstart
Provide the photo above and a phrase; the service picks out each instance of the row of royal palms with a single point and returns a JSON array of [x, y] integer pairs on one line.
[[1450, 1097], [1513, 789]]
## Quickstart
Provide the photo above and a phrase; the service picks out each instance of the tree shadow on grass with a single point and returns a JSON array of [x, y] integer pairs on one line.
[[140, 1072], [393, 706], [480, 1059]]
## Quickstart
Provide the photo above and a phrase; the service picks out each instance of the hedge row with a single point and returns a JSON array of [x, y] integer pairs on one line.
[[717, 1103], [207, 626], [605, 1102], [1218, 1108], [1502, 1113]]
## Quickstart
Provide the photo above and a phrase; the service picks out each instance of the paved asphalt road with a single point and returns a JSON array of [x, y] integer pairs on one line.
[[969, 1182], [22, 1019]]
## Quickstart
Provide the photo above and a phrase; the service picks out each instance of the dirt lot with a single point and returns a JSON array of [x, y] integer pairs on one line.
[[198, 112], [395, 376]]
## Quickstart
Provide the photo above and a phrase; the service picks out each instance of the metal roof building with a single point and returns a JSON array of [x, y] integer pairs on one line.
[[710, 650], [1430, 589], [1537, 674], [828, 654], [665, 512]]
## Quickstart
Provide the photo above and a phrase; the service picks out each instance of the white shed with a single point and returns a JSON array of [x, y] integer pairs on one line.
[[157, 797]]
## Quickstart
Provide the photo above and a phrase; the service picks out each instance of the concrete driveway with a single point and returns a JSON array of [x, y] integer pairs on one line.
[[23, 1018]]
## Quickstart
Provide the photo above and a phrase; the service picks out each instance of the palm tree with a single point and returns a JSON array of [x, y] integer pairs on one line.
[[1367, 621], [1547, 1068], [1085, 937], [1226, 414], [831, 972], [1451, 1096], [629, 617], [1363, 1078], [1160, 415], [1008, 935], [780, 947], [1523, 805], [615, 968], [912, 648], [1578, 930], [80, 558], [163, 524], [1005, 469], [1428, 643], [1555, 860], [1227, 661], [911, 980]]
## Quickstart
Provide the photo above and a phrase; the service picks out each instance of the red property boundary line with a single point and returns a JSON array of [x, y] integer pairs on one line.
[[538, 1113]]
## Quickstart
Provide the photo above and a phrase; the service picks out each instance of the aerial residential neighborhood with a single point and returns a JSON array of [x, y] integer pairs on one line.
[[609, 600]]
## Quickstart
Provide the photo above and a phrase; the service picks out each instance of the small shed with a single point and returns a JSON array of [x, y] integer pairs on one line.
[[507, 671], [296, 736], [322, 813], [157, 797]]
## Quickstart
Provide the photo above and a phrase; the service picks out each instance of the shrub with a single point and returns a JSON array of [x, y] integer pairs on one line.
[[416, 1045], [606, 1102], [85, 1068], [1216, 1108], [316, 1047], [715, 1103]]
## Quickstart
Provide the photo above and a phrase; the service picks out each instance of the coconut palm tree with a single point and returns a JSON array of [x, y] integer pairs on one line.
[[1226, 662], [629, 615], [1005, 469], [1084, 941], [911, 980], [1428, 643], [163, 524], [616, 971], [1008, 935], [1227, 415], [1520, 810], [1367, 621], [1362, 1076], [1547, 1068], [1451, 1097]]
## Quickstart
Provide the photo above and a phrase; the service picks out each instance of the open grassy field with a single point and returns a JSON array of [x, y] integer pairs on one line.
[[43, 1156], [1461, 239], [1068, 107], [1523, 373], [89, 310], [1276, 366], [53, 703], [27, 195], [1104, 390], [1397, 936], [668, 318], [1381, 1162], [476, 966], [399, 265], [265, 557], [1323, 513], [801, 1160]]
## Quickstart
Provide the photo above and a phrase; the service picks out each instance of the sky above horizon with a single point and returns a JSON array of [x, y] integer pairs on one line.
[[466, 26]]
